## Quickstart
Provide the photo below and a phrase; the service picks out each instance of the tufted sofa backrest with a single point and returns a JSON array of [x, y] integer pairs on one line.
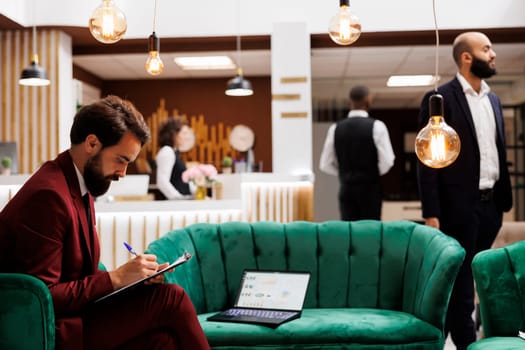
[[500, 282], [398, 265]]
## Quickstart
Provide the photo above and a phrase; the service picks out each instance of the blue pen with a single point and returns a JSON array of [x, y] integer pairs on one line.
[[130, 249]]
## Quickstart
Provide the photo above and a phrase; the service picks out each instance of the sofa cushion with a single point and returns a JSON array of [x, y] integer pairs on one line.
[[498, 343], [330, 328]]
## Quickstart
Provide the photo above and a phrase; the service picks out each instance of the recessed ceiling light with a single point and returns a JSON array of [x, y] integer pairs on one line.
[[204, 62], [410, 80]]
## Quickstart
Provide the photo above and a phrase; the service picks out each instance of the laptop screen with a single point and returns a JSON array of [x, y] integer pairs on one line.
[[273, 290]]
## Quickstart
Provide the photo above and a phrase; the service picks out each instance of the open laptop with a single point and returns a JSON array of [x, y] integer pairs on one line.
[[268, 298]]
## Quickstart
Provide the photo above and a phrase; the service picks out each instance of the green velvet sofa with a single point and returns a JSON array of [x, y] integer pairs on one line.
[[27, 320], [500, 283], [374, 285]]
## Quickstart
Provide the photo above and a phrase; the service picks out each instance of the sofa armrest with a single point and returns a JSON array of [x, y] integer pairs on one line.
[[437, 260], [498, 275], [27, 319]]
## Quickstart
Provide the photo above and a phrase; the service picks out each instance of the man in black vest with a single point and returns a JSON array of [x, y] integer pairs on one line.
[[358, 150]]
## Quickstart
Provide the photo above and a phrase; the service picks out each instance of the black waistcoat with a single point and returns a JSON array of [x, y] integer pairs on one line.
[[176, 175], [356, 151]]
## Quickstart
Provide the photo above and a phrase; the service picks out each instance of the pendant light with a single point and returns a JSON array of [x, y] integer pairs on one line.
[[344, 27], [154, 65], [238, 85], [34, 75], [107, 24], [437, 144]]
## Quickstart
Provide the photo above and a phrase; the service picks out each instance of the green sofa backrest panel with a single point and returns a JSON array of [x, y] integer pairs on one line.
[[368, 263], [500, 282]]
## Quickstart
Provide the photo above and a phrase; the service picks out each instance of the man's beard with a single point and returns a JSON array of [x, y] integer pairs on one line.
[[481, 68], [96, 183]]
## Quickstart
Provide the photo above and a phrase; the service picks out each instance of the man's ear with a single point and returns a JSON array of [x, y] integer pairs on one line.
[[467, 57], [92, 144]]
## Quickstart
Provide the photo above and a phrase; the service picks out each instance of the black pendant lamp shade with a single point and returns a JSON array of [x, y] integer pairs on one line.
[[34, 75], [239, 86]]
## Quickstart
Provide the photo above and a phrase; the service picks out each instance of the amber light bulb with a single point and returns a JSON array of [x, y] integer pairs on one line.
[[437, 144], [108, 23], [344, 27], [154, 65]]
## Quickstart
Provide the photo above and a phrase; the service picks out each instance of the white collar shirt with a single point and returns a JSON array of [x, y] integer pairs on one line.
[[485, 125]]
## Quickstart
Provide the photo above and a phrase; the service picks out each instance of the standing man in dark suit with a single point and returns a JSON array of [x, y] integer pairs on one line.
[[47, 230], [358, 150], [466, 200]]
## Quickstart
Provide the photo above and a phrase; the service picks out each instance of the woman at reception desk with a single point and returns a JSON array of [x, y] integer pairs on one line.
[[170, 166]]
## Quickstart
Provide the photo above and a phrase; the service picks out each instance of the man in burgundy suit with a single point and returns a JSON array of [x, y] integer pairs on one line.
[[44, 231]]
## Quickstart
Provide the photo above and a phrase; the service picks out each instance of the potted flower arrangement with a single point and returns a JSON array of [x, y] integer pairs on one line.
[[227, 163], [203, 176], [6, 165]]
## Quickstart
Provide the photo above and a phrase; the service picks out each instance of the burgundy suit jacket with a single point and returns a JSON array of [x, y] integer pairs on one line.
[[44, 232]]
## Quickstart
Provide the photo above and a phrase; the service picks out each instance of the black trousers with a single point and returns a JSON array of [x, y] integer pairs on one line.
[[475, 233], [360, 201]]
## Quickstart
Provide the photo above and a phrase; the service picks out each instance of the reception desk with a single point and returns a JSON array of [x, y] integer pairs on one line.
[[246, 197]]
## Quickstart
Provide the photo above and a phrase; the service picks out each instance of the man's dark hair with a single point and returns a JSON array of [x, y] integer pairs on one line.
[[170, 128], [109, 119], [359, 96]]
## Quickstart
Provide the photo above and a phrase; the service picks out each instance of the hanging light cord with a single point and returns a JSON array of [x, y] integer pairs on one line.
[[154, 16], [238, 20], [437, 45], [34, 41]]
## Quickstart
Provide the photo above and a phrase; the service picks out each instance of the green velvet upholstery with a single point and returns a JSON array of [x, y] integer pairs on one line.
[[373, 285], [500, 283], [27, 320]]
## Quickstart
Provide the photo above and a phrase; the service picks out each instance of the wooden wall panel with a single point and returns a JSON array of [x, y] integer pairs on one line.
[[26, 113]]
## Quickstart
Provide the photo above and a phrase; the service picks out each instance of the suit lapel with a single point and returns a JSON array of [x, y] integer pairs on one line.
[[499, 117], [66, 163], [463, 104]]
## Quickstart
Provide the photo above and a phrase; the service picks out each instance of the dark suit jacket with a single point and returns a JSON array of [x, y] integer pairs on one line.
[[451, 192], [44, 232]]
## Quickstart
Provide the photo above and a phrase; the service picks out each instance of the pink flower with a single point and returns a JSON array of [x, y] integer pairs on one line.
[[200, 174]]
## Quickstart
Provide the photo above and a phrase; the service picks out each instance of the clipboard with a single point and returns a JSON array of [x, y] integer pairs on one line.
[[181, 260]]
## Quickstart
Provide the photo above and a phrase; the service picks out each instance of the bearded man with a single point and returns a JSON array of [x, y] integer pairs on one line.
[[466, 200], [48, 230]]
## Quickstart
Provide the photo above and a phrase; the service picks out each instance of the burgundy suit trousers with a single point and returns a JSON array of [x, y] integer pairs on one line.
[[158, 316]]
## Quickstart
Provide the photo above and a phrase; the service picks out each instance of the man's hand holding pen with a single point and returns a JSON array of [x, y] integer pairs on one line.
[[137, 268]]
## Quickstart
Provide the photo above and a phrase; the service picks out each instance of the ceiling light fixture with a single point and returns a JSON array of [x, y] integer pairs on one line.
[[344, 27], [34, 75], [437, 144], [154, 64], [204, 62], [107, 24], [238, 85], [410, 80]]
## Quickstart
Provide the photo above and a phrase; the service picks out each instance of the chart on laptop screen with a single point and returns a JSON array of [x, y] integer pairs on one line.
[[273, 290]]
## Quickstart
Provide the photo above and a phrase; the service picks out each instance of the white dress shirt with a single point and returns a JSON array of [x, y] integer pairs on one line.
[[385, 154], [485, 125], [165, 160]]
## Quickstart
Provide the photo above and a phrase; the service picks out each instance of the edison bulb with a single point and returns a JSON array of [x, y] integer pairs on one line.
[[437, 144], [154, 65], [107, 23], [344, 27]]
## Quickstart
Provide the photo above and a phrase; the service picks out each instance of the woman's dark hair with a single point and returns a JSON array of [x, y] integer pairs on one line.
[[109, 119], [170, 128]]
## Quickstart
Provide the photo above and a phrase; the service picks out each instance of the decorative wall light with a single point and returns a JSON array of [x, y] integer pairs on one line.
[[238, 85], [437, 144], [344, 27], [154, 65], [34, 75], [107, 23]]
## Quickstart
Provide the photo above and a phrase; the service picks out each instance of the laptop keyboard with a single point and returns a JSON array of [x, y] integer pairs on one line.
[[270, 314]]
